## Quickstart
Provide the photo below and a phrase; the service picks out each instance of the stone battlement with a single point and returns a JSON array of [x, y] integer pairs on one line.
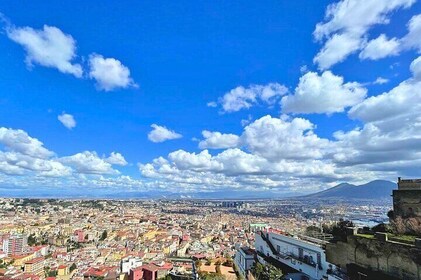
[[409, 184]]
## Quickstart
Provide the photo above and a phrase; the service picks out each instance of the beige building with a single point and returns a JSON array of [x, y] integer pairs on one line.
[[35, 266]]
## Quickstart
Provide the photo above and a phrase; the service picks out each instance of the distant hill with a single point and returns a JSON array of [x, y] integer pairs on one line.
[[377, 189]]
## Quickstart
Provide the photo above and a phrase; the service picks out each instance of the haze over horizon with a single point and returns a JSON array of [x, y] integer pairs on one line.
[[285, 97]]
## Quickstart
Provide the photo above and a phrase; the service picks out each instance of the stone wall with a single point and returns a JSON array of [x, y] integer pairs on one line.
[[407, 203], [391, 258]]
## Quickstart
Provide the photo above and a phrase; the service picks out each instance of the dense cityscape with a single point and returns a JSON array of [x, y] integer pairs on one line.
[[180, 239]]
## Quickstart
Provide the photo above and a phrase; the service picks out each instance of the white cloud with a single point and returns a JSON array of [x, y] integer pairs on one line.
[[232, 168], [17, 164], [286, 153], [89, 163], [161, 134], [325, 93], [391, 131], [212, 104], [243, 98], [245, 122], [17, 140], [380, 47], [116, 159], [192, 161], [10, 169], [304, 69], [109, 73], [415, 68], [380, 81], [280, 150], [67, 120], [49, 47], [24, 162], [383, 47], [413, 38], [281, 138], [218, 140], [27, 154], [402, 100], [346, 25], [336, 49]]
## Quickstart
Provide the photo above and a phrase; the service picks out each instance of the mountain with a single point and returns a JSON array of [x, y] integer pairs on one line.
[[377, 189]]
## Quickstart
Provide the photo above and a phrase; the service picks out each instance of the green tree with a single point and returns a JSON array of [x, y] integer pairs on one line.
[[274, 273], [258, 271], [104, 235], [32, 240], [338, 230], [382, 228]]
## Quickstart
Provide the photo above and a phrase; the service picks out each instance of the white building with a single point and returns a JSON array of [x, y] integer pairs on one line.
[[244, 260], [129, 263], [306, 256]]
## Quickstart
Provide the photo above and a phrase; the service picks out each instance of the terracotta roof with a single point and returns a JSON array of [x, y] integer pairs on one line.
[[150, 267], [40, 259]]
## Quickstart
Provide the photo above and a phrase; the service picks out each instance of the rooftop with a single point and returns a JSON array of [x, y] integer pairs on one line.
[[247, 251]]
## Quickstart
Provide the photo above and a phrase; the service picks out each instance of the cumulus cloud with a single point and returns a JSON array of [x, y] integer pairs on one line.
[[243, 98], [49, 47], [232, 168], [415, 68], [383, 47], [380, 47], [218, 140], [13, 163], [89, 163], [276, 151], [161, 133], [413, 38], [325, 93], [109, 73], [346, 25], [192, 161], [67, 120], [17, 140], [282, 138], [391, 131], [25, 163], [25, 154], [116, 159], [286, 152], [401, 100], [336, 49]]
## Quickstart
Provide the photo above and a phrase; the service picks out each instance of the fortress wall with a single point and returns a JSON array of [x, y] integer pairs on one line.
[[395, 259]]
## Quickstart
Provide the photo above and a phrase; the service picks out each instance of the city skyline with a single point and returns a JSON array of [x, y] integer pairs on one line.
[[170, 98]]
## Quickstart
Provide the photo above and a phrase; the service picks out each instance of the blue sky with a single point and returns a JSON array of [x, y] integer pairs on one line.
[[283, 97]]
